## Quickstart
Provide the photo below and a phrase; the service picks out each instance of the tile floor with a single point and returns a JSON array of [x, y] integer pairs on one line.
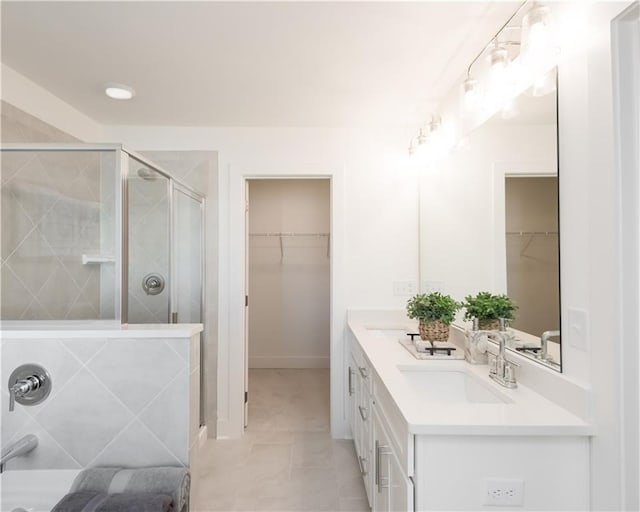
[[287, 460]]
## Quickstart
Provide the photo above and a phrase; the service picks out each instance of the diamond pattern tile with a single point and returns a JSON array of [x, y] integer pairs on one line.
[[13, 233], [52, 200], [136, 447], [93, 411], [15, 298], [175, 436], [136, 370], [84, 349], [34, 262]]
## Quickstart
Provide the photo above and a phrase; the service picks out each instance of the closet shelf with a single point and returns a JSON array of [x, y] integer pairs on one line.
[[288, 234], [91, 259]]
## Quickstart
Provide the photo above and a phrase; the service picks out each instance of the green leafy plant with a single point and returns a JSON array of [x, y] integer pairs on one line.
[[486, 306], [432, 306]]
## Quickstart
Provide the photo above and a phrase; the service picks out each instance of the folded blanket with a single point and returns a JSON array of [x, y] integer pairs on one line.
[[92, 501], [172, 481]]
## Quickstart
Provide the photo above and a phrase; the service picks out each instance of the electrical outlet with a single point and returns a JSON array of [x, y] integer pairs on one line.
[[504, 493], [404, 288]]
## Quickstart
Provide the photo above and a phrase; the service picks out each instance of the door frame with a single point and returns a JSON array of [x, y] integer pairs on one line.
[[231, 350], [246, 272]]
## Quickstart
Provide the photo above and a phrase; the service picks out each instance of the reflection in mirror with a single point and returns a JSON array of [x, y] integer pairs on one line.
[[489, 221]]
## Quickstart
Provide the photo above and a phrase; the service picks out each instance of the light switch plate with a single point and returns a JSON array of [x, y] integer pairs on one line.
[[579, 329]]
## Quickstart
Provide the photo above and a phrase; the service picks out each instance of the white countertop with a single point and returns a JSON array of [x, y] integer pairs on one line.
[[528, 412], [94, 329]]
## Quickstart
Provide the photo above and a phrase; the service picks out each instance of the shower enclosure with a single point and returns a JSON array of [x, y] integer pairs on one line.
[[97, 231]]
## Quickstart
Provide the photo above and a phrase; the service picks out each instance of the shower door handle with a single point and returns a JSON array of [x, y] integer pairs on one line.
[[174, 317]]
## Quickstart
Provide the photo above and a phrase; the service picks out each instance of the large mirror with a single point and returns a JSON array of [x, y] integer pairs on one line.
[[489, 221]]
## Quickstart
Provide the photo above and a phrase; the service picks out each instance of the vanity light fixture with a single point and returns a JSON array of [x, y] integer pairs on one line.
[[119, 91], [535, 38], [471, 93], [434, 124], [412, 148]]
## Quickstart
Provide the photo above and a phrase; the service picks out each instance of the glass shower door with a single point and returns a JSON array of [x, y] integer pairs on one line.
[[188, 253], [149, 245], [188, 249]]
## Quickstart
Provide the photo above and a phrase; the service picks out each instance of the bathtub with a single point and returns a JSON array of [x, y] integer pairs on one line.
[[34, 490]]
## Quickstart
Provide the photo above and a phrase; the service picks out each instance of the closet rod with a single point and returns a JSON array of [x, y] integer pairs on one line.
[[530, 233], [288, 234]]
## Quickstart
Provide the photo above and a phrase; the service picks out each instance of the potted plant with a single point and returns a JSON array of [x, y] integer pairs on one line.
[[435, 313], [489, 309]]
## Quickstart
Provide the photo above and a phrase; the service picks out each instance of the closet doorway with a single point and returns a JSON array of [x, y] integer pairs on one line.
[[287, 320]]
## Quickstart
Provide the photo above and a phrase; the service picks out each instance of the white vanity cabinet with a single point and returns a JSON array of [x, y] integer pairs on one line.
[[515, 449], [360, 405]]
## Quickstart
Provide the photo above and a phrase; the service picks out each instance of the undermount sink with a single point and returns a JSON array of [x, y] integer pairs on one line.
[[449, 386]]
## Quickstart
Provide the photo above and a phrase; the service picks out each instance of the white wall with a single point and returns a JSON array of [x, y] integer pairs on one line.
[[589, 202], [289, 275], [374, 227], [21, 92]]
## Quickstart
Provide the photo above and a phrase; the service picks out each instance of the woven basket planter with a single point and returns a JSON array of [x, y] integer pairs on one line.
[[434, 330], [489, 325]]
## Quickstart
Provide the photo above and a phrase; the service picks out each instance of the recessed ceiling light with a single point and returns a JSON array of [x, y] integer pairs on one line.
[[119, 91]]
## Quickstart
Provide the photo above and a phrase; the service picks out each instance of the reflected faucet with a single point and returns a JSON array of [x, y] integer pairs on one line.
[[18, 448], [544, 340], [501, 370]]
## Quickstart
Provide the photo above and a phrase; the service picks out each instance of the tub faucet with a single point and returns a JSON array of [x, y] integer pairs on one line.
[[18, 448], [501, 370]]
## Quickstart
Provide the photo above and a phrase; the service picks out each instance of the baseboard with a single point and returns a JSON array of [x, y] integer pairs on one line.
[[288, 362]]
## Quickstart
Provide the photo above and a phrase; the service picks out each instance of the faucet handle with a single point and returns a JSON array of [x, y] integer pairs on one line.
[[29, 384]]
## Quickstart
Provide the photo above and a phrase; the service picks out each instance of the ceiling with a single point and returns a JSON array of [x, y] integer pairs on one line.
[[249, 63]]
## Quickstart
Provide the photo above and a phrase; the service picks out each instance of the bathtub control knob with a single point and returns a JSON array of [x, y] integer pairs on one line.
[[29, 384]]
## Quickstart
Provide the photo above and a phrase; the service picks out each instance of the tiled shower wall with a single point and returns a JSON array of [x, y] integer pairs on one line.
[[115, 401], [51, 212]]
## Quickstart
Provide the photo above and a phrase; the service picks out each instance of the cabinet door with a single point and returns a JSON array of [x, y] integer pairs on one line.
[[393, 491], [352, 384], [365, 457], [382, 472], [400, 487]]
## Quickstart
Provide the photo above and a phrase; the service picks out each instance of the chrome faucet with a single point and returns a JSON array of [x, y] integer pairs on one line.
[[18, 448], [501, 370]]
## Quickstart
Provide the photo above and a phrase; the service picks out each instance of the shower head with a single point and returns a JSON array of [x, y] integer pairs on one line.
[[147, 174]]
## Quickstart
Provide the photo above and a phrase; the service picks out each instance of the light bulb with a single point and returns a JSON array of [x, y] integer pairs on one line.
[[422, 138], [471, 91], [119, 91], [536, 35], [498, 74]]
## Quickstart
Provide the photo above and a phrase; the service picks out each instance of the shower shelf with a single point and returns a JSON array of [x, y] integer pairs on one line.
[[89, 260]]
